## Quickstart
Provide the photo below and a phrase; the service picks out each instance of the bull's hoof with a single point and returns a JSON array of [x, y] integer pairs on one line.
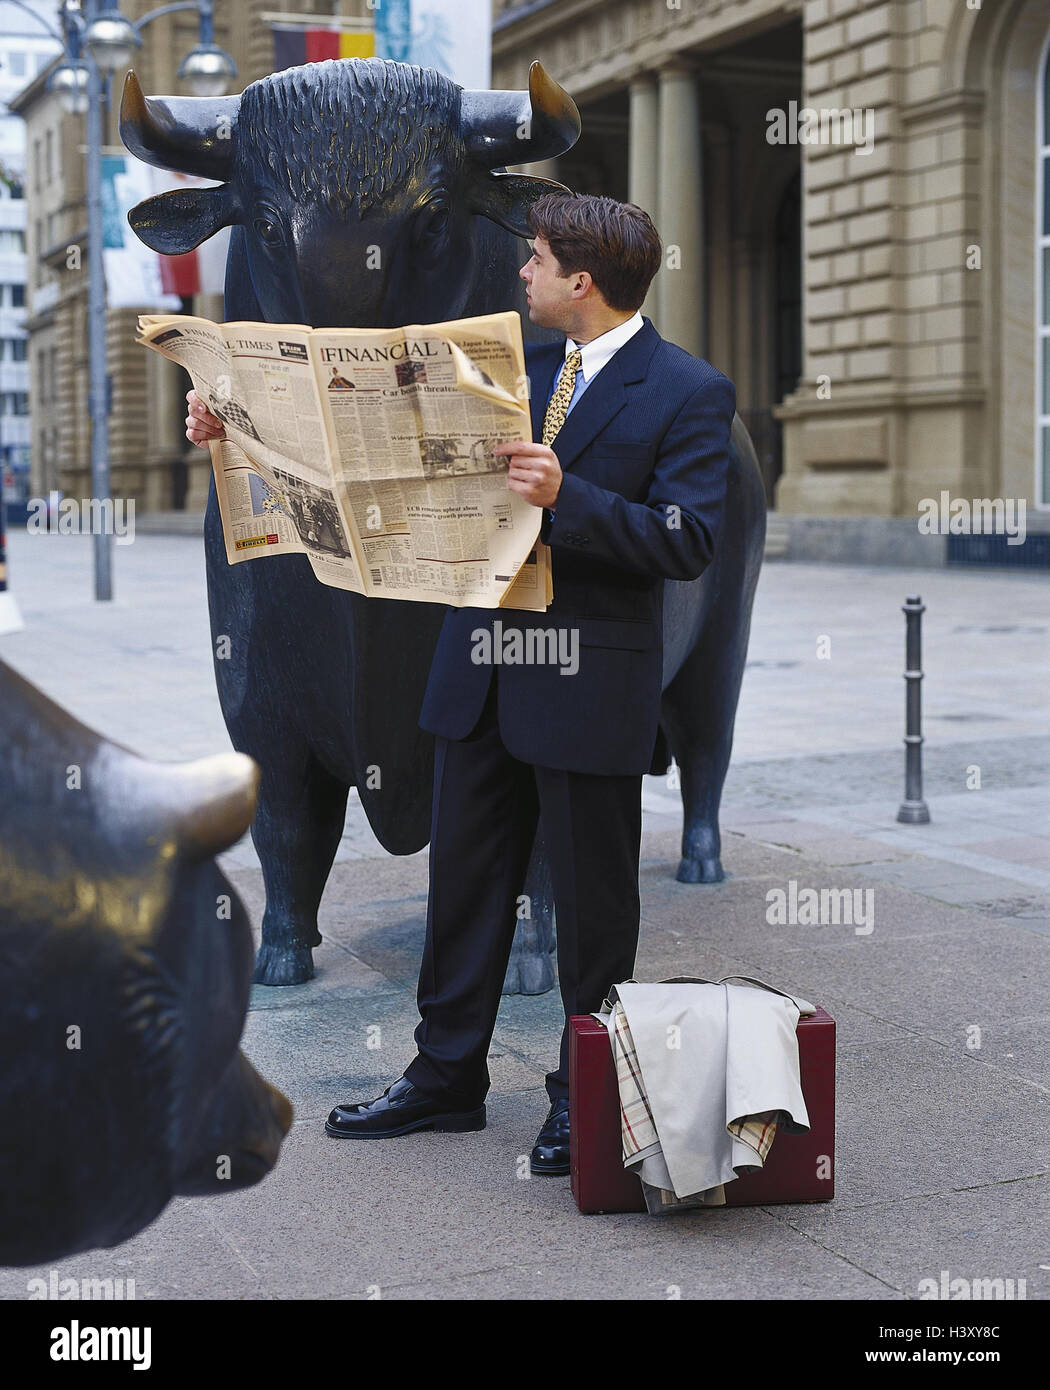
[[284, 965], [700, 871]]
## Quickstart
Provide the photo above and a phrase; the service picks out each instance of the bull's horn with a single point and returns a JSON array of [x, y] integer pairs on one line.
[[193, 135], [213, 800], [502, 128]]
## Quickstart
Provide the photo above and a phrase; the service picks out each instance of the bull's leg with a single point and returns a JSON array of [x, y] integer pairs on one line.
[[530, 969], [699, 703], [699, 710], [297, 828]]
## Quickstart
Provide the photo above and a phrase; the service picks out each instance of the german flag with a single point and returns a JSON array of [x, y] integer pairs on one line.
[[295, 44]]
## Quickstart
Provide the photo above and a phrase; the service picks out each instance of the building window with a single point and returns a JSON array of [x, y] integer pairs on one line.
[[16, 63], [18, 349], [18, 296], [1042, 296], [49, 156]]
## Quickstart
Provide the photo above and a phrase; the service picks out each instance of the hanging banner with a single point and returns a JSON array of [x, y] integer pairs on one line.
[[202, 270], [132, 270], [454, 36], [136, 277]]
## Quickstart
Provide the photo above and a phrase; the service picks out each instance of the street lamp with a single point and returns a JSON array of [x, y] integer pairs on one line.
[[111, 41], [70, 82], [208, 70]]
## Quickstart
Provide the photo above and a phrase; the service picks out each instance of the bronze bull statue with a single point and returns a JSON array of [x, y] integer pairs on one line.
[[366, 193], [125, 972]]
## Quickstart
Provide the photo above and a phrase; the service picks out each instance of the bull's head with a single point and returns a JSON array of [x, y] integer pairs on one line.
[[359, 183], [125, 971]]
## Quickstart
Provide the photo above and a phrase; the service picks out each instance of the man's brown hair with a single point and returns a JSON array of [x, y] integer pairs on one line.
[[616, 243]]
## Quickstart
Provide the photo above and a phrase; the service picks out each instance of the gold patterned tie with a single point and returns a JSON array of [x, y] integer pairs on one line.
[[558, 406]]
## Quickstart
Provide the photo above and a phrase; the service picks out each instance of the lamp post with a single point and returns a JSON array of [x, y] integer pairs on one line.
[[111, 40]]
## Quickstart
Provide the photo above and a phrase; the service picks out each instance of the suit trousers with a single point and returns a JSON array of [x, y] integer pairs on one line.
[[485, 811]]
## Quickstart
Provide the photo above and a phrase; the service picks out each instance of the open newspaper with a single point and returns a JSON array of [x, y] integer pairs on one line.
[[369, 451]]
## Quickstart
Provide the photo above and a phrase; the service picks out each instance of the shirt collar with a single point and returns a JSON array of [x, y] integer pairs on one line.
[[595, 354]]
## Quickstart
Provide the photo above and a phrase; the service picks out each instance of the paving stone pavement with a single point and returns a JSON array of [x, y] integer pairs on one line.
[[943, 1158]]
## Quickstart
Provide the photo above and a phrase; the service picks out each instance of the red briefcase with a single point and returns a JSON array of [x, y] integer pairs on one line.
[[798, 1168]]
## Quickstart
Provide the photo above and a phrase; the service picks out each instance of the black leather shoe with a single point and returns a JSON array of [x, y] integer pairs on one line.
[[551, 1153], [401, 1109]]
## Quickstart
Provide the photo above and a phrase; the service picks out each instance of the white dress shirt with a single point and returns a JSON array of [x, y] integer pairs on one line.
[[595, 354]]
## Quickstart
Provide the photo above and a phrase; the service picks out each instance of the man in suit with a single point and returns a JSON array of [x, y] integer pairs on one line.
[[630, 472]]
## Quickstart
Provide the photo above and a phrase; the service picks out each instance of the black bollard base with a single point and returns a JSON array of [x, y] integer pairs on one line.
[[914, 813]]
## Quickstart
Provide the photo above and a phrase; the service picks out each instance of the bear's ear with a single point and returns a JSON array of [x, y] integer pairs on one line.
[[173, 223], [506, 199]]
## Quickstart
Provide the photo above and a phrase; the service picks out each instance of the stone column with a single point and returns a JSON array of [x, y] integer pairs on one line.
[[680, 223], [680, 284], [642, 157], [643, 146]]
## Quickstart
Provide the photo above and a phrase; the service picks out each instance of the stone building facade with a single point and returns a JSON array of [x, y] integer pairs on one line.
[[878, 287], [150, 458]]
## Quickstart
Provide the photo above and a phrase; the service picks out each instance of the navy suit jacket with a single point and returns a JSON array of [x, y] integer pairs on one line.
[[644, 453]]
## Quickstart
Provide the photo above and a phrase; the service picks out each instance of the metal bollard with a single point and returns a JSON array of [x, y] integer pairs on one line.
[[913, 809]]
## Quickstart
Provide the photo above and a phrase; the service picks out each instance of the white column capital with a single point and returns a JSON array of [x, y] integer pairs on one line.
[[678, 65], [641, 79]]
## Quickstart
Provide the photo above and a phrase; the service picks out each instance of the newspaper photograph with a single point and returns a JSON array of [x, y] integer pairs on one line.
[[369, 451]]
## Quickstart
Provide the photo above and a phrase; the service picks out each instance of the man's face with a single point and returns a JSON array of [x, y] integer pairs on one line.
[[551, 302]]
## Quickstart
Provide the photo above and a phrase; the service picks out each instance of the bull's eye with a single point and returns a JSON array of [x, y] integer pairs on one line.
[[432, 223], [438, 223], [268, 229]]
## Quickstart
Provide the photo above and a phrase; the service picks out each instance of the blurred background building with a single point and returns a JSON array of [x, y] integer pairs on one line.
[[880, 296], [25, 50]]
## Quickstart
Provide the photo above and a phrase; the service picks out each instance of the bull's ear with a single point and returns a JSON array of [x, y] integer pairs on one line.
[[175, 222], [506, 199]]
